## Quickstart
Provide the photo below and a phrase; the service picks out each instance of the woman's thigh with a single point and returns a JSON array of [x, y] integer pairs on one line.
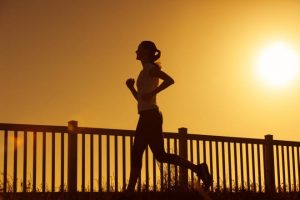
[[140, 142], [156, 141], [149, 131], [157, 145]]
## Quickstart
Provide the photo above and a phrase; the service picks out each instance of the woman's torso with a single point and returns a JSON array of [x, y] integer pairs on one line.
[[146, 84]]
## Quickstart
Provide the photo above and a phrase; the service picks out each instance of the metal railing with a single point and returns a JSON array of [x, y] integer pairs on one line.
[[72, 158]]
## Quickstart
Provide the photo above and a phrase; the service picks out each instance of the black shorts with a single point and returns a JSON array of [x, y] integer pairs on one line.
[[149, 132]]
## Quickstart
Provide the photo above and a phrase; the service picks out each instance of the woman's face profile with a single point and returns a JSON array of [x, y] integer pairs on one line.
[[142, 54]]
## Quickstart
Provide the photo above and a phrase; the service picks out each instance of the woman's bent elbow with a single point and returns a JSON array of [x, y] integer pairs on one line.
[[172, 81]]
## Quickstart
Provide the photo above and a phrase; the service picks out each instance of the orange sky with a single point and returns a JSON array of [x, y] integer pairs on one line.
[[65, 60]]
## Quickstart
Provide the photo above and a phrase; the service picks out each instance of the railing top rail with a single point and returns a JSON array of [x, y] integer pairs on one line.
[[286, 143], [105, 131], [85, 130], [116, 132], [33, 128], [51, 128], [224, 138]]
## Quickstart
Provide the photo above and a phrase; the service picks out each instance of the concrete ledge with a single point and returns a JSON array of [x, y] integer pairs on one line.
[[148, 196]]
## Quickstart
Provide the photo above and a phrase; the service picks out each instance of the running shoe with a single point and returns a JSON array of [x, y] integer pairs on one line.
[[204, 175]]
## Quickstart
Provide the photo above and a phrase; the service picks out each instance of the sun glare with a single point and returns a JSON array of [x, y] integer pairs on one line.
[[278, 64]]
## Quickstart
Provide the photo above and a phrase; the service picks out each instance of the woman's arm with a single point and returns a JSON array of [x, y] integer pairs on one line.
[[167, 81], [130, 85]]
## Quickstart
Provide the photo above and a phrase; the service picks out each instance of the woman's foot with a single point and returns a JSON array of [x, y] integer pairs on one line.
[[204, 175]]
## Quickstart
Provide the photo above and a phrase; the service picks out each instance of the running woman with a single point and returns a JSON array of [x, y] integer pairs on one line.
[[149, 127]]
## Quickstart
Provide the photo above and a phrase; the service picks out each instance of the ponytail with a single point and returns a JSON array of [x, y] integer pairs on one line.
[[157, 55]]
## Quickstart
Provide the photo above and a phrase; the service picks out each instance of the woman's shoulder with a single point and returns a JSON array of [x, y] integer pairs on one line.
[[154, 69]]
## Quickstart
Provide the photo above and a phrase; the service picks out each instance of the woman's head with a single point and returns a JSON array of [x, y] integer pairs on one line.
[[147, 51]]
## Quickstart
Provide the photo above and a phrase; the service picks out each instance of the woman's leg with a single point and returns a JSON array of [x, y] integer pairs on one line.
[[138, 149], [163, 157], [156, 144]]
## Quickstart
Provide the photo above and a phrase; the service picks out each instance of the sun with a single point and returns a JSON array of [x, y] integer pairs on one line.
[[278, 64]]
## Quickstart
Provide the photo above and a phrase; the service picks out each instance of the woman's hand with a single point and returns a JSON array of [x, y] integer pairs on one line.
[[130, 83]]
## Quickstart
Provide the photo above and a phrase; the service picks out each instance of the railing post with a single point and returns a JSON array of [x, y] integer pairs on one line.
[[269, 165], [72, 156], [183, 173]]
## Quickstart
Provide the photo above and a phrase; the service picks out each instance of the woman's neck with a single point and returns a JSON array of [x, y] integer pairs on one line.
[[144, 63]]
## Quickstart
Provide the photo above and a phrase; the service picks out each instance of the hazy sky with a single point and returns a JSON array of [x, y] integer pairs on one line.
[[69, 60]]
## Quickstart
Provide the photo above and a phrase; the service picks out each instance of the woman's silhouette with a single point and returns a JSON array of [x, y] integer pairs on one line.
[[149, 127]]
